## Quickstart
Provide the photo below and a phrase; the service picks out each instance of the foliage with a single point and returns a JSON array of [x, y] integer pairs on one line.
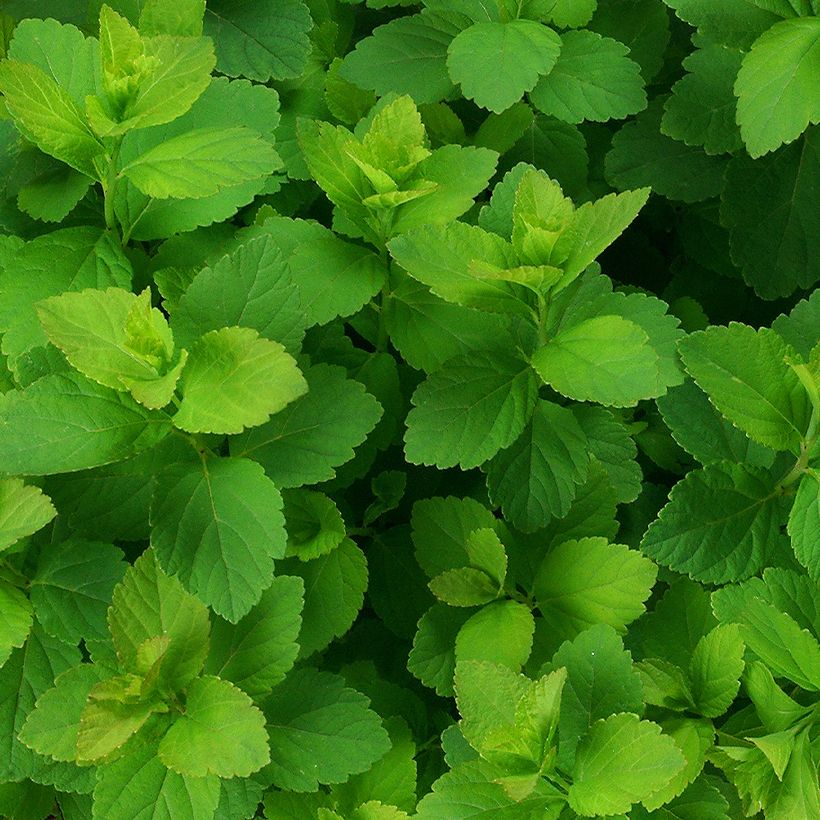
[[409, 409]]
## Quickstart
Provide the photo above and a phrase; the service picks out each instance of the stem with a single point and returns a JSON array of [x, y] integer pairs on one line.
[[109, 188], [382, 336]]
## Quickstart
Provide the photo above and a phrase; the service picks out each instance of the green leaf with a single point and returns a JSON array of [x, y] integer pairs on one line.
[[217, 526], [221, 733], [52, 195], [260, 40], [148, 604], [464, 587], [535, 478], [798, 328], [47, 115], [52, 726], [257, 652], [432, 659], [71, 590], [600, 682], [140, 782], [593, 79], [112, 336], [610, 442], [320, 731], [314, 524], [406, 56], [496, 63], [305, 442], [64, 423], [776, 190], [772, 635], [467, 412], [28, 673], [743, 372], [23, 511], [235, 379], [804, 524], [588, 581], [446, 258], [15, 619], [702, 431], [510, 623], [178, 71], [732, 22], [721, 523], [334, 593], [570, 13], [715, 669], [66, 259], [606, 359], [642, 155], [776, 83], [622, 760], [184, 19], [201, 162], [702, 108]]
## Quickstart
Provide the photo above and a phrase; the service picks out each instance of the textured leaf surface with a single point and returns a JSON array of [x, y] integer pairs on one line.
[[201, 162], [606, 359], [259, 650], [535, 478], [71, 590], [218, 526], [16, 619], [467, 412], [432, 659], [221, 733], [777, 84], [621, 761], [593, 79], [516, 54], [744, 374], [715, 669], [305, 442], [66, 422], [235, 379], [719, 525], [588, 581], [23, 510], [804, 524], [320, 731], [510, 622]]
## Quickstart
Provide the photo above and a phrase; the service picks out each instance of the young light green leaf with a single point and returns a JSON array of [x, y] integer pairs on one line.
[[320, 731], [606, 359], [588, 581], [148, 603], [512, 625], [469, 411], [775, 85], [535, 479], [804, 524], [199, 163], [217, 526], [715, 669], [600, 682], [305, 442], [72, 587], [465, 586], [126, 786], [721, 523], [109, 335], [744, 373], [235, 379], [622, 760], [23, 511], [593, 79], [496, 63], [15, 619], [47, 115], [221, 733], [257, 652], [52, 726], [42, 431]]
